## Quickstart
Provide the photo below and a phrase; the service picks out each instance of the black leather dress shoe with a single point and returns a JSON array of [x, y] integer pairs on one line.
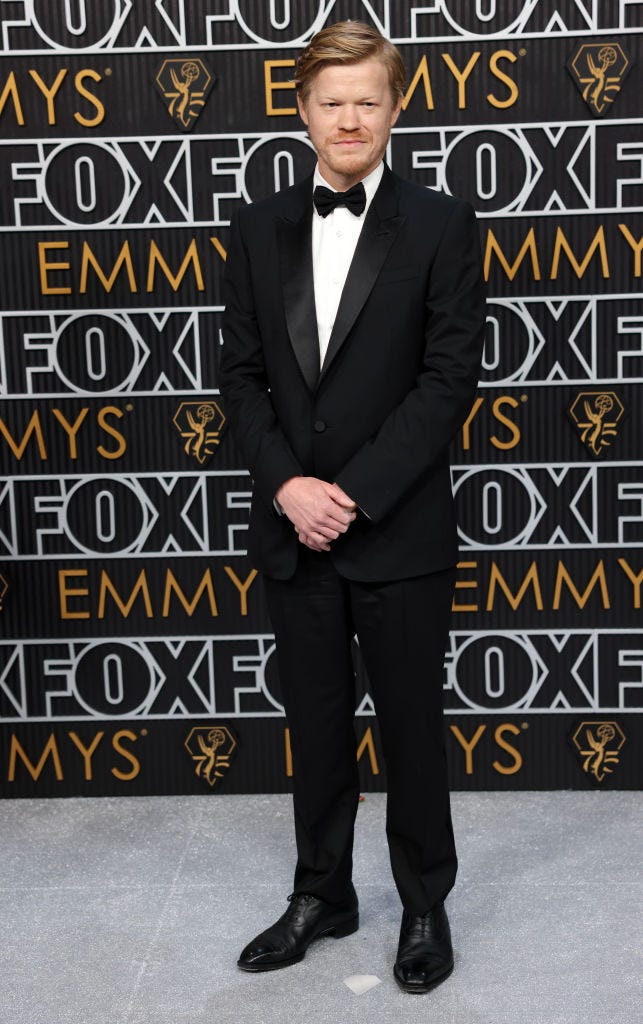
[[307, 919], [424, 954]]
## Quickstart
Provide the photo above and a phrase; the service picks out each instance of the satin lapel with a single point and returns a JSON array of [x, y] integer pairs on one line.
[[380, 230], [294, 240]]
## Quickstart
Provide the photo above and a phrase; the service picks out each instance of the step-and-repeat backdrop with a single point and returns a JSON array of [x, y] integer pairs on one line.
[[136, 655]]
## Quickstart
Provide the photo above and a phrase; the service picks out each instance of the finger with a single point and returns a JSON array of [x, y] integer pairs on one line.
[[327, 532], [307, 541], [341, 497], [340, 518], [318, 542]]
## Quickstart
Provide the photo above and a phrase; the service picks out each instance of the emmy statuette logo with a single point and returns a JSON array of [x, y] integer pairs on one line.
[[211, 748], [200, 425], [185, 84], [599, 70], [596, 415], [598, 745]]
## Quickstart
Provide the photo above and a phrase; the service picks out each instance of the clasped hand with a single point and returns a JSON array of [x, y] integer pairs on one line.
[[319, 511]]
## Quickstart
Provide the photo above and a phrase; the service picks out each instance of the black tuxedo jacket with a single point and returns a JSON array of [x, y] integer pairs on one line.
[[397, 382]]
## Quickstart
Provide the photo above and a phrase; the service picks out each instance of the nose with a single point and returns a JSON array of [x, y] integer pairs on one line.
[[348, 117]]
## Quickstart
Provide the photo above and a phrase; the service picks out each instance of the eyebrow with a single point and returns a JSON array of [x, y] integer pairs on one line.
[[334, 99]]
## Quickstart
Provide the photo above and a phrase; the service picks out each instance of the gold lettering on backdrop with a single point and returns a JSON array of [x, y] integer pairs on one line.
[[368, 744], [636, 247], [531, 579], [563, 576], [498, 411], [493, 247], [79, 82], [205, 586], [49, 91], [34, 429], [87, 752], [111, 410], [242, 586], [514, 430], [271, 86], [562, 254], [635, 580], [124, 607], [127, 755], [124, 259], [18, 448], [466, 434], [499, 737], [45, 267], [50, 754], [16, 751], [530, 587], [58, 276], [71, 429], [421, 75], [149, 595], [465, 585], [503, 77], [191, 258], [562, 245], [461, 75], [468, 745], [11, 90], [288, 753], [65, 592], [218, 247]]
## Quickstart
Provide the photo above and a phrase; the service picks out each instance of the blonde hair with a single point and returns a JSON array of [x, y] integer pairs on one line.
[[348, 42]]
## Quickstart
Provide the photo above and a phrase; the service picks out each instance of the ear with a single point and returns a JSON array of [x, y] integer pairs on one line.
[[395, 113], [302, 109]]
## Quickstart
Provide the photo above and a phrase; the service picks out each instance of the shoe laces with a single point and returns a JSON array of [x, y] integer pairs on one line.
[[297, 901], [421, 926]]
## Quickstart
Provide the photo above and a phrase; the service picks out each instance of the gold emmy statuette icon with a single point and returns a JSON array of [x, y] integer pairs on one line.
[[185, 84], [599, 744], [199, 424], [599, 70], [210, 747], [596, 415]]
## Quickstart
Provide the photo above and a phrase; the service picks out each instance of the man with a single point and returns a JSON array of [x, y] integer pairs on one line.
[[352, 342]]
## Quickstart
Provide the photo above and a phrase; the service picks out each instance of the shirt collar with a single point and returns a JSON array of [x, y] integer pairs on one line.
[[370, 182]]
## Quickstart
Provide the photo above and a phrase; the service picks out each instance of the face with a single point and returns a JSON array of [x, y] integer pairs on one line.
[[349, 113]]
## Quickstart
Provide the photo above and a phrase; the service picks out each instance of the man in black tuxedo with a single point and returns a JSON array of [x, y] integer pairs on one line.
[[352, 342]]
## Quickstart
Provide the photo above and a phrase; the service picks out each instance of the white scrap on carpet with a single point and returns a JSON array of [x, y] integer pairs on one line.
[[361, 983]]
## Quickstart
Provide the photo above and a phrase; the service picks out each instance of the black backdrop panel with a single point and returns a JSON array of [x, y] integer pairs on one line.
[[136, 655]]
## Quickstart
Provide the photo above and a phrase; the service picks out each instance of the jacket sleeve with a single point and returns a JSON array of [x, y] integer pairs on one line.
[[418, 431], [243, 379]]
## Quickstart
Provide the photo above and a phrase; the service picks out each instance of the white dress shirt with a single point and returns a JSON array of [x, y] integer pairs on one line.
[[334, 242]]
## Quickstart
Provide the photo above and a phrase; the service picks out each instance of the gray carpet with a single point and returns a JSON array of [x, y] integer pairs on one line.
[[132, 911]]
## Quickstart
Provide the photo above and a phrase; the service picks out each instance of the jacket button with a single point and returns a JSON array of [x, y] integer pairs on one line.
[[319, 426]]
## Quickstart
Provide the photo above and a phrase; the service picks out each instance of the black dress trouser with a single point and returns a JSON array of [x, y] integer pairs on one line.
[[402, 628]]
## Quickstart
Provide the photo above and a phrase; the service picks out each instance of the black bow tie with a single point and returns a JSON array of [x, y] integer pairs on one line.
[[326, 201]]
